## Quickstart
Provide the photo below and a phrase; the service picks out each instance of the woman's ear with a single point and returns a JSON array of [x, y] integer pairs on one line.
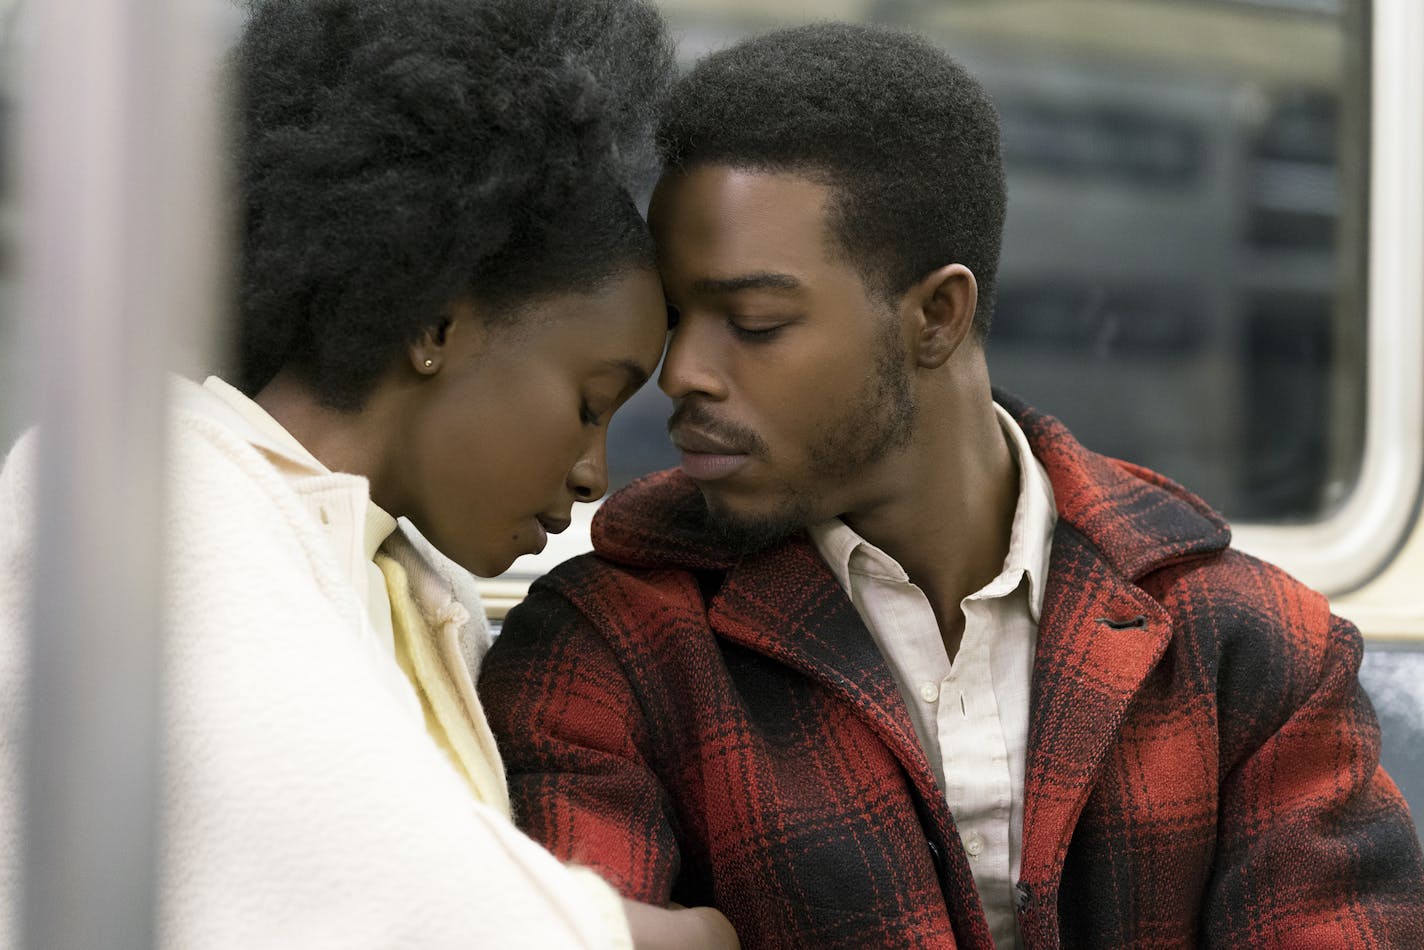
[[941, 305], [427, 353]]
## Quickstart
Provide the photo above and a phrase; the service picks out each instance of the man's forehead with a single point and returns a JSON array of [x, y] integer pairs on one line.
[[754, 216]]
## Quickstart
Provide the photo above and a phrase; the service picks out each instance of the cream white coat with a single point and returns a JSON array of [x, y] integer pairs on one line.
[[303, 803]]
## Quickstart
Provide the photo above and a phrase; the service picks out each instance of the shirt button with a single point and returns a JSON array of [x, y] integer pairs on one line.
[[974, 845], [929, 692]]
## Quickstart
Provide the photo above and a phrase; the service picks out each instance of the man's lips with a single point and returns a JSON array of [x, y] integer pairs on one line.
[[702, 467], [706, 457], [699, 442]]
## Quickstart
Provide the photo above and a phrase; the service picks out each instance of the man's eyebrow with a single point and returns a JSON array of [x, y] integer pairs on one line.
[[732, 285]]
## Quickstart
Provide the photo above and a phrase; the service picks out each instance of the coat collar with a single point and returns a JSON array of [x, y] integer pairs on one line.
[[1137, 520], [785, 604]]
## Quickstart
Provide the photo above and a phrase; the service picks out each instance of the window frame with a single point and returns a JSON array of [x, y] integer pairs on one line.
[[1344, 551]]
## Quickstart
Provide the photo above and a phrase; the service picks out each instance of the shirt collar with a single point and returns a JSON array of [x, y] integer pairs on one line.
[[1030, 538], [1035, 516], [253, 423]]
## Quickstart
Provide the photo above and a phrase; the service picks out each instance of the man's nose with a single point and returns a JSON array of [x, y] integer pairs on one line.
[[691, 362]]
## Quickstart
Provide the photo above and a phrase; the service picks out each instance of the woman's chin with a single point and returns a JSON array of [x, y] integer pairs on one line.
[[480, 560]]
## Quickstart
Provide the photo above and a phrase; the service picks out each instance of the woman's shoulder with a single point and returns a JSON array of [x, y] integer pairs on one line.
[[215, 481], [232, 512]]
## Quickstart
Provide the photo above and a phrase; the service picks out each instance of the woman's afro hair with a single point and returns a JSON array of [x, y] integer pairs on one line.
[[394, 156], [905, 137]]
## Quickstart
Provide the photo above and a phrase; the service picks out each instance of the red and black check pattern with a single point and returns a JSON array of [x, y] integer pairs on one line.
[[1202, 770]]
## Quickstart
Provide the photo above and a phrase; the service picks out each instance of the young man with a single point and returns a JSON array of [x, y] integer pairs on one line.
[[892, 660]]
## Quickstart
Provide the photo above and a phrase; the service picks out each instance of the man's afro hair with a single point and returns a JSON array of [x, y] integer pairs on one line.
[[905, 137], [393, 156]]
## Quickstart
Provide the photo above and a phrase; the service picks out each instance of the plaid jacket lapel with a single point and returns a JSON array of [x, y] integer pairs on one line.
[[785, 604], [1100, 634], [1099, 637]]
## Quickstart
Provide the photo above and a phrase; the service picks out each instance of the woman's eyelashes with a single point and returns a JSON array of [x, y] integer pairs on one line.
[[598, 409]]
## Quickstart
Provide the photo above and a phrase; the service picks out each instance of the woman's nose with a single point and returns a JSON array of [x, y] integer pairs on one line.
[[588, 479]]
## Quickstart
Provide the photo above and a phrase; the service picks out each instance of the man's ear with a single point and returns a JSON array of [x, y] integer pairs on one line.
[[941, 306], [427, 353]]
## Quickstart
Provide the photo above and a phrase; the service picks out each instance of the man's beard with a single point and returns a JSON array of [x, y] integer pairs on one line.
[[742, 534], [880, 420]]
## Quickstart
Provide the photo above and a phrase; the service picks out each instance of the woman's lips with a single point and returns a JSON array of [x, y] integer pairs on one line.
[[547, 525], [540, 539], [553, 524]]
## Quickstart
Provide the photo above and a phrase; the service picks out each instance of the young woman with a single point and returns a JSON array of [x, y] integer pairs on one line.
[[445, 291]]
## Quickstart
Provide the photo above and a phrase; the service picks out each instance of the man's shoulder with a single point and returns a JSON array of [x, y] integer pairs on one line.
[[1171, 543], [613, 589], [1138, 520], [1248, 605], [658, 521], [652, 556]]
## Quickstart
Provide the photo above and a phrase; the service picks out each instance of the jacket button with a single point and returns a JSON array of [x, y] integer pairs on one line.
[[1023, 897], [937, 856]]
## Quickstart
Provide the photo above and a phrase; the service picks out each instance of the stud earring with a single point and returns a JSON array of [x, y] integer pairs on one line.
[[429, 363]]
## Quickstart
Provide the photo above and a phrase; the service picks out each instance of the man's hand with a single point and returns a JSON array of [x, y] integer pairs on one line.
[[679, 928]]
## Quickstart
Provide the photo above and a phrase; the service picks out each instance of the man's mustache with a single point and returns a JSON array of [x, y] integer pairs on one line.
[[696, 416]]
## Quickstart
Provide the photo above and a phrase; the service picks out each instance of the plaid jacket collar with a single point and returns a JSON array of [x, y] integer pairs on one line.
[[1097, 640]]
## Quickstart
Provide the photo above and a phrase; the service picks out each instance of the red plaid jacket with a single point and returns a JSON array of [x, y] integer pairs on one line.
[[1202, 764]]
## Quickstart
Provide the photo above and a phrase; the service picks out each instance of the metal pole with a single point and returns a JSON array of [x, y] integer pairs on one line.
[[116, 160]]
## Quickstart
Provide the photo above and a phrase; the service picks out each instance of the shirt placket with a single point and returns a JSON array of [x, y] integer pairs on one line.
[[975, 755]]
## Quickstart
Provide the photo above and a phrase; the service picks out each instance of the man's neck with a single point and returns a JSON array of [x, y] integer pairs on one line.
[[950, 528]]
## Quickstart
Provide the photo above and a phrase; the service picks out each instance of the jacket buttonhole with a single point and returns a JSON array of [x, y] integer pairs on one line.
[[1136, 623], [936, 856]]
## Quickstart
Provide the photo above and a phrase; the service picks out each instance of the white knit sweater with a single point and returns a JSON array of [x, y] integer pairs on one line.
[[304, 804]]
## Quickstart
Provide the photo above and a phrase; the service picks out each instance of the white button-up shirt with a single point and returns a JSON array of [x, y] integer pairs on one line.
[[971, 715]]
